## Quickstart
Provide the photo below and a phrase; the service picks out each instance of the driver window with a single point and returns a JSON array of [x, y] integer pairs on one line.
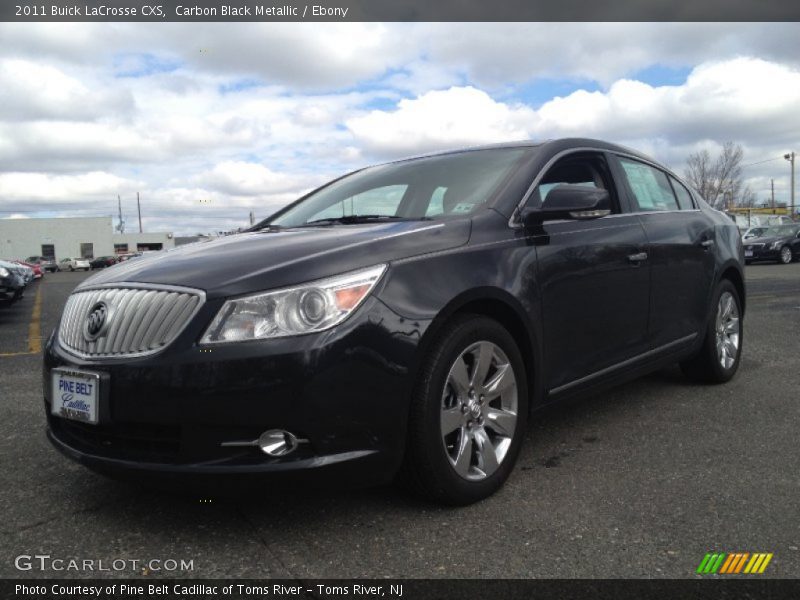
[[583, 171]]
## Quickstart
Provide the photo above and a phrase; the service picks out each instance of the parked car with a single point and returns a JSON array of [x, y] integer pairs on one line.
[[12, 283], [754, 232], [129, 255], [45, 263], [73, 264], [403, 320], [101, 262], [27, 272], [780, 243], [36, 269]]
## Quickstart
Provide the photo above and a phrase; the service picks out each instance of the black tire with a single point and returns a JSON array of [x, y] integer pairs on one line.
[[706, 366], [785, 255], [427, 468], [71, 268]]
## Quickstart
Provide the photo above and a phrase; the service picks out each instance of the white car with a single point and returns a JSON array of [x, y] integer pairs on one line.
[[73, 264]]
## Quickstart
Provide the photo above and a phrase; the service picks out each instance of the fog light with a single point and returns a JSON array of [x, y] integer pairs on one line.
[[276, 442]]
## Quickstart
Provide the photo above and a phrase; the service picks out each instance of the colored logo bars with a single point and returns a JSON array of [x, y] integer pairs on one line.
[[731, 564]]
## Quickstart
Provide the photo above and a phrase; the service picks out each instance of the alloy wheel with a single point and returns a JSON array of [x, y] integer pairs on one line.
[[479, 410], [728, 328], [786, 255]]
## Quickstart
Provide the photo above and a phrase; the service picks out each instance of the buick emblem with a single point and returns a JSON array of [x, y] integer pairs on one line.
[[96, 321]]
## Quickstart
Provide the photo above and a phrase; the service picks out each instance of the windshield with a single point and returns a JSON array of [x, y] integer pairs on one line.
[[424, 188], [781, 231]]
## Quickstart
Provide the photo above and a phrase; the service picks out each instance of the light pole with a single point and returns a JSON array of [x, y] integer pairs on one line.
[[790, 158]]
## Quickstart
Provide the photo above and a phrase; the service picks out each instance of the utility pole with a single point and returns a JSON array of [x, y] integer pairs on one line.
[[772, 185], [252, 218], [139, 208], [790, 158], [121, 225]]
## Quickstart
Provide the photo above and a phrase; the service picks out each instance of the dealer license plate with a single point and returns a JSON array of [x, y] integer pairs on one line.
[[748, 253], [75, 394]]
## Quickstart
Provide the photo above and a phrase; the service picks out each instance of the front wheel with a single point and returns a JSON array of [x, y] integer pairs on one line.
[[719, 357], [468, 413], [786, 255]]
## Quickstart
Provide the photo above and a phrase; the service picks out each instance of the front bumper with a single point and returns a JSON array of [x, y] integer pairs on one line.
[[760, 253], [345, 390], [11, 288]]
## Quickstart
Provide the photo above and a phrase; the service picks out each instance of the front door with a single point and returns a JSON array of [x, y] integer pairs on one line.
[[594, 281]]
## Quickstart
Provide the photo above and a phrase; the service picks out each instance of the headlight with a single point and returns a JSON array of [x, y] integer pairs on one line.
[[776, 245], [4, 272], [303, 309]]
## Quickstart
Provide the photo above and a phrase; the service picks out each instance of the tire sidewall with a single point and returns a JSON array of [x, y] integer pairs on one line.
[[452, 486], [781, 259]]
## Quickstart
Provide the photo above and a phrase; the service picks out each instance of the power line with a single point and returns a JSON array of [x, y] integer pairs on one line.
[[761, 162]]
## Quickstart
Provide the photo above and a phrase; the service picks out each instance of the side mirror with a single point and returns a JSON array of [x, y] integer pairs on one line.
[[567, 201]]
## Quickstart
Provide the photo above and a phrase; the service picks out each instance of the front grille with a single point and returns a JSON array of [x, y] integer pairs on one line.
[[140, 320], [754, 246]]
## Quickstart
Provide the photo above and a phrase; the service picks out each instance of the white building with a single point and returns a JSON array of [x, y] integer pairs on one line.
[[73, 237]]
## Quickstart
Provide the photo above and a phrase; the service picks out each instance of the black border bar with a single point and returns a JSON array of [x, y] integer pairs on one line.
[[398, 10], [707, 588]]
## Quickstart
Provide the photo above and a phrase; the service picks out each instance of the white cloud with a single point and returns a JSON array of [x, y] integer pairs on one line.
[[238, 178], [62, 188], [450, 118], [744, 99], [31, 90]]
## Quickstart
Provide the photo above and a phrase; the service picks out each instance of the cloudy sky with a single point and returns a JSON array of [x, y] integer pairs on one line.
[[211, 121]]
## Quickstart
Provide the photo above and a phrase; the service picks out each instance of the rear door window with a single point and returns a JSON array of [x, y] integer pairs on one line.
[[650, 186]]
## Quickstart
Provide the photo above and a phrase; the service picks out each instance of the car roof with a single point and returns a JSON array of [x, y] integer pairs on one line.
[[553, 145]]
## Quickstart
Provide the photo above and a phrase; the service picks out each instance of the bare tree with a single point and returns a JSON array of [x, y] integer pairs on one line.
[[748, 199], [719, 180]]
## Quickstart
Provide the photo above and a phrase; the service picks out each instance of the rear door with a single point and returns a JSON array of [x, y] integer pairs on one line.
[[681, 255], [594, 281]]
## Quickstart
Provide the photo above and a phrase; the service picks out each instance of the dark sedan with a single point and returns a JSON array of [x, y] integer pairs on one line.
[[780, 243], [404, 320], [101, 262], [12, 283]]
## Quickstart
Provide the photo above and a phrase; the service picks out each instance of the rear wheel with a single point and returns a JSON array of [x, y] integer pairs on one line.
[[785, 255], [468, 413], [718, 358]]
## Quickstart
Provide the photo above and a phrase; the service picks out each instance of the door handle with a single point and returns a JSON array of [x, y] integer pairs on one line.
[[638, 257], [707, 244]]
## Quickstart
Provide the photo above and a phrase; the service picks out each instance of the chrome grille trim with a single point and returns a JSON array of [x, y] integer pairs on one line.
[[143, 319]]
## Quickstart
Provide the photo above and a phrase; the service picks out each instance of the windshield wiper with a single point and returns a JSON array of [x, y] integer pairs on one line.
[[351, 219]]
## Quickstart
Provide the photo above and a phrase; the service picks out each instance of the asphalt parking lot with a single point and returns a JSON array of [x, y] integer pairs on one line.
[[640, 481]]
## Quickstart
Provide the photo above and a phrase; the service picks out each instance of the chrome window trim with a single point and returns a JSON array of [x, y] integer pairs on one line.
[[201, 295]]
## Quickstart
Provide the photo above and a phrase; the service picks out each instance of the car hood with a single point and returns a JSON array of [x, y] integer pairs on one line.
[[254, 261]]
